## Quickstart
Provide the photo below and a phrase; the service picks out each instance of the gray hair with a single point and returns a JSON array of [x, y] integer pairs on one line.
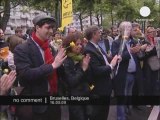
[[125, 28]]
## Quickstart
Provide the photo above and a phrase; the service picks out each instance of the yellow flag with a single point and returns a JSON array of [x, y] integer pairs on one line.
[[67, 13]]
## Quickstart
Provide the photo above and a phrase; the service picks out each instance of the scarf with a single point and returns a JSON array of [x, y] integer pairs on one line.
[[75, 57], [48, 60], [151, 40]]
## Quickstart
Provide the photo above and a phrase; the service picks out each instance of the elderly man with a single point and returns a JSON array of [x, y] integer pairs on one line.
[[37, 69], [129, 67]]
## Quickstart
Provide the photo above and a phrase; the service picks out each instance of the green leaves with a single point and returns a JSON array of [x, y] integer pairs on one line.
[[112, 11]]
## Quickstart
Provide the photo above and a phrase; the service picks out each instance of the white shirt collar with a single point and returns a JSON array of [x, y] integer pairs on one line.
[[95, 45]]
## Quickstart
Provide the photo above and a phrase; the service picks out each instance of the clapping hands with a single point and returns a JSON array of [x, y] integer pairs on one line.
[[60, 57], [135, 49], [115, 60], [149, 48], [85, 62], [6, 82]]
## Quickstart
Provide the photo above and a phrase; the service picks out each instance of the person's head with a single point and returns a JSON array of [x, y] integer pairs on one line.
[[85, 41], [14, 41], [114, 30], [1, 34], [125, 29], [18, 32], [57, 35], [77, 38], [71, 30], [29, 31], [93, 33], [45, 26], [151, 32], [105, 33], [135, 32]]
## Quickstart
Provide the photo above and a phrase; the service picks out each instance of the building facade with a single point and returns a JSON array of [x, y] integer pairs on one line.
[[21, 16], [85, 22]]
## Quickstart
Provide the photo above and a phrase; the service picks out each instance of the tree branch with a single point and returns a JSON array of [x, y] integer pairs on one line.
[[10, 8]]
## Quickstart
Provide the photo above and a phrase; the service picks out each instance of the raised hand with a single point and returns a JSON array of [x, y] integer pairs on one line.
[[135, 49], [149, 48], [114, 61], [119, 58], [60, 57], [6, 82], [85, 62], [143, 47]]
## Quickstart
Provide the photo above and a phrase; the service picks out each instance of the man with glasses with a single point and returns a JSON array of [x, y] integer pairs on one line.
[[37, 69]]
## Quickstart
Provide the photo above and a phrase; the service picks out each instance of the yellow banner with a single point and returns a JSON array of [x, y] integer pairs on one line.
[[67, 13]]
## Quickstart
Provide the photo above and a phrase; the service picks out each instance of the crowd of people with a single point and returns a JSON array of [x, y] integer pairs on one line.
[[122, 61]]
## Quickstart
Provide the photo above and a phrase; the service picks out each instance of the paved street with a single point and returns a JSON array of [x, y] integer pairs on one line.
[[141, 113]]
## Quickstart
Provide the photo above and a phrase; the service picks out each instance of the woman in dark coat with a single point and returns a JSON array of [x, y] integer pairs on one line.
[[75, 67]]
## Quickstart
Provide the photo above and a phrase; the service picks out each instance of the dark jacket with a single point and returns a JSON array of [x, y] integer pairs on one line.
[[76, 78], [120, 79], [106, 43], [3, 43], [32, 71], [151, 84], [99, 70]]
